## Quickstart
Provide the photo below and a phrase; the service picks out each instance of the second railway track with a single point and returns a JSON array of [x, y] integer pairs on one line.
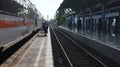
[[75, 55]]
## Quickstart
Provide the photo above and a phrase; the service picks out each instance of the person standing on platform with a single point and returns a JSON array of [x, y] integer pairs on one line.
[[100, 27], [75, 22], [79, 25], [113, 27]]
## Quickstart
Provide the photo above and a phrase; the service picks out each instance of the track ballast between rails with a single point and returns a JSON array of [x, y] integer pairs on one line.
[[71, 52]]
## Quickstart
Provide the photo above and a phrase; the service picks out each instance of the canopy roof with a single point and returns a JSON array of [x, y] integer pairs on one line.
[[83, 5]]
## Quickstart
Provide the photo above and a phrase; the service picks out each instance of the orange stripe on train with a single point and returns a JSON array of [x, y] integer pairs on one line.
[[7, 24]]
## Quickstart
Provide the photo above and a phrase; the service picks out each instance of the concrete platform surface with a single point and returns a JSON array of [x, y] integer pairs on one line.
[[38, 53]]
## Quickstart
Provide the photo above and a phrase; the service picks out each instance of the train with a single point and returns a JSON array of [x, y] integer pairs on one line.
[[15, 25]]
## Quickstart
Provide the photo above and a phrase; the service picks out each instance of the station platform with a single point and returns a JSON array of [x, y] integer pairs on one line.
[[36, 53], [103, 38]]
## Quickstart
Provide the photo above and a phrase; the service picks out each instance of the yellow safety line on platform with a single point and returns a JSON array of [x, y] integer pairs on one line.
[[18, 62], [39, 54], [4, 65]]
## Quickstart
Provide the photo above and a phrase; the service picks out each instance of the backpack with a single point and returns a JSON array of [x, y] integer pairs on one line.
[[45, 24]]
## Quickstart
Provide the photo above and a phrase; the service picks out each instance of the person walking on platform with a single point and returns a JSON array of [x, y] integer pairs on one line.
[[45, 27]]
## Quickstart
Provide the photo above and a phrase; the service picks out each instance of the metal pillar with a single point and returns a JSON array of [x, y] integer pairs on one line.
[[103, 18], [119, 23], [83, 22], [91, 22]]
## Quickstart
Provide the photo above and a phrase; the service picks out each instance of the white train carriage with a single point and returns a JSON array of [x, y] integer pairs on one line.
[[14, 27]]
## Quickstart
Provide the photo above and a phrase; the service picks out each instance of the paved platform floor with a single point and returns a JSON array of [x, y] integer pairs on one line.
[[38, 53]]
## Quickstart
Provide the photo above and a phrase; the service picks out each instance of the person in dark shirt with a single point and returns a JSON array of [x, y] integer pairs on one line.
[[45, 27], [79, 25], [100, 27]]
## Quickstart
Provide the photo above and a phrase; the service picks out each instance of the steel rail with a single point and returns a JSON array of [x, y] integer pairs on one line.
[[71, 65], [83, 49]]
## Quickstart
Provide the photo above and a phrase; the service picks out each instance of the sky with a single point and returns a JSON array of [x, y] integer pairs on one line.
[[47, 7]]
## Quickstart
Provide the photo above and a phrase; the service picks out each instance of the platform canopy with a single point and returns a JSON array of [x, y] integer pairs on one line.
[[84, 5]]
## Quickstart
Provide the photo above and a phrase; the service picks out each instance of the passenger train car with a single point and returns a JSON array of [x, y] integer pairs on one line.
[[15, 26]]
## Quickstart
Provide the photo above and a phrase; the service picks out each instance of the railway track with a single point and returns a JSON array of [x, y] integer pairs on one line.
[[69, 53]]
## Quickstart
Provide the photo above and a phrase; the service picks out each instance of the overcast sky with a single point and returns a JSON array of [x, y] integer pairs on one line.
[[47, 7]]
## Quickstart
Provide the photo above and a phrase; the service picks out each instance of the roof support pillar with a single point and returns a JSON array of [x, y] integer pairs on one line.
[[91, 21], [119, 23], [83, 26], [103, 17]]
